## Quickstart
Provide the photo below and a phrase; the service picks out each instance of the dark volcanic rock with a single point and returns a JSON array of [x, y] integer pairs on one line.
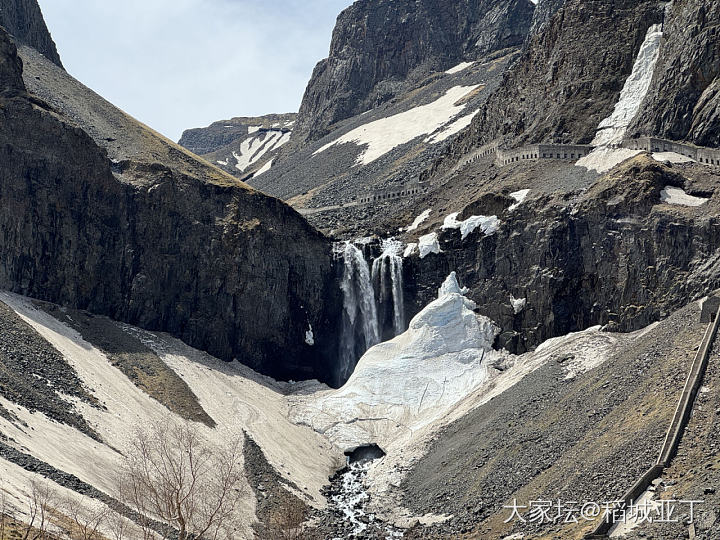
[[24, 21], [153, 236], [684, 98], [614, 255], [543, 13], [569, 76], [382, 48]]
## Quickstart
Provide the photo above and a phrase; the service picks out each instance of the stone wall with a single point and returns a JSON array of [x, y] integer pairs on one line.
[[706, 156]]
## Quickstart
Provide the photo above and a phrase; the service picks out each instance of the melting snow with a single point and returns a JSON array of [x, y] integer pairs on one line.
[[428, 244], [411, 380], [309, 338], [460, 67], [612, 129], [418, 220], [381, 136], [253, 129], [672, 157], [488, 224], [254, 148], [519, 197], [675, 195]]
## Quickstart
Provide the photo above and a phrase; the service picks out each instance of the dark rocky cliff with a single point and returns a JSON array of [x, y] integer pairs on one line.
[[611, 254], [24, 21], [379, 49], [569, 76], [684, 98], [100, 213]]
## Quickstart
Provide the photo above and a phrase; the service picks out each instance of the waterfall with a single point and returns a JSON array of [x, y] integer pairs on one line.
[[389, 265], [360, 329]]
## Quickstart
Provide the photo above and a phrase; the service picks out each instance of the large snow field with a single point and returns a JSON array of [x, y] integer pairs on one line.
[[381, 136]]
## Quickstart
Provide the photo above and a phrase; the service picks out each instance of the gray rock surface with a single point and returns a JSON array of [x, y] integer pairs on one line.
[[98, 212], [24, 21], [381, 49]]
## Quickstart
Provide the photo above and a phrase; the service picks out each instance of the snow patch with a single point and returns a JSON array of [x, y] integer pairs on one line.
[[488, 224], [410, 249], [452, 128], [676, 195], [428, 244], [603, 159], [265, 168], [611, 130], [418, 220], [381, 136], [672, 157], [519, 197], [518, 304], [253, 129], [309, 338], [460, 67]]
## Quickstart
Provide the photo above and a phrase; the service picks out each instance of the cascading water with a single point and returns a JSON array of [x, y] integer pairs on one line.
[[360, 329], [389, 265]]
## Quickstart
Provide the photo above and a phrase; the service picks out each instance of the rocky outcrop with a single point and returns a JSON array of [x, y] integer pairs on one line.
[[98, 212], [569, 76], [24, 21], [543, 13], [224, 132], [615, 255], [683, 102], [380, 49]]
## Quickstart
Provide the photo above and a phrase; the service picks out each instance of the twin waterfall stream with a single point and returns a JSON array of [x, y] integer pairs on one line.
[[373, 308]]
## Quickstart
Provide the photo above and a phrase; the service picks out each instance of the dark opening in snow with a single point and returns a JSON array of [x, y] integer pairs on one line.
[[366, 452]]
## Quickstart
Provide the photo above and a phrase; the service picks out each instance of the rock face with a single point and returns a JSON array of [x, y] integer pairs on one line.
[[543, 13], [615, 255], [224, 132], [569, 76], [24, 21], [380, 49], [98, 212], [684, 99]]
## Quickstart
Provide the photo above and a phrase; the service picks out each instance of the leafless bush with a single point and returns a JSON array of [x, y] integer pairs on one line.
[[43, 500], [173, 475], [85, 520], [286, 522]]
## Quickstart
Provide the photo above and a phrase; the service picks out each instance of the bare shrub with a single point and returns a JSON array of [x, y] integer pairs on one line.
[[173, 475], [286, 521], [41, 503]]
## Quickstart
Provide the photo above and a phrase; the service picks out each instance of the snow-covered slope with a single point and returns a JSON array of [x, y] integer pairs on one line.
[[237, 399]]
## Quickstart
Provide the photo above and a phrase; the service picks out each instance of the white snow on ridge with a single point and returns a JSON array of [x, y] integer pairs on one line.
[[672, 157], [675, 195], [381, 136], [488, 224], [451, 129], [418, 220], [460, 67], [612, 129], [428, 244], [253, 129]]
